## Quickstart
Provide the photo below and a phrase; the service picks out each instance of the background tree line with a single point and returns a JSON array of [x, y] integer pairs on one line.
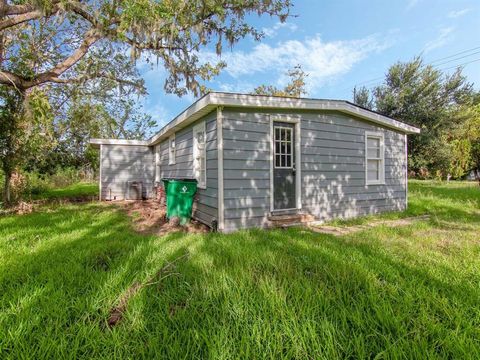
[[445, 107]]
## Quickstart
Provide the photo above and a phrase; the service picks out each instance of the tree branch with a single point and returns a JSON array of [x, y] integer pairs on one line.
[[91, 37], [19, 19], [6, 9], [81, 79], [9, 78]]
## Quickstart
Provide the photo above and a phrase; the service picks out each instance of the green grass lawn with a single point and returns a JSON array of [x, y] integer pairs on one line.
[[406, 292], [80, 189]]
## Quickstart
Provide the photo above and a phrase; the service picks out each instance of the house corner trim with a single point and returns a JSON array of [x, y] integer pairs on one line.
[[100, 174], [221, 203]]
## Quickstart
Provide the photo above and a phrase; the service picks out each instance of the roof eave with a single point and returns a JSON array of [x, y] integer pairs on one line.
[[97, 142]]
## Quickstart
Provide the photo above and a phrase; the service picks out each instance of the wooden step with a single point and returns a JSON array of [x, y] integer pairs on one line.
[[284, 220]]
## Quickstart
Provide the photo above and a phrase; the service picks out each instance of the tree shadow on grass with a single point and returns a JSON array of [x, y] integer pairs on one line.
[[296, 294], [71, 265]]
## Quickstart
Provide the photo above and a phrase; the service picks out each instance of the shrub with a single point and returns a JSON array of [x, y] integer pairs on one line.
[[65, 176], [36, 183]]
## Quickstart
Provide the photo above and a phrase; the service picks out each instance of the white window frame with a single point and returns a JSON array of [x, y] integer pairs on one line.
[[292, 151], [200, 156], [158, 163], [172, 152], [381, 138]]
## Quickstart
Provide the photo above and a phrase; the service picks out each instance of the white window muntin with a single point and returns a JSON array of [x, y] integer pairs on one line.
[[200, 154], [374, 158], [171, 150], [283, 147]]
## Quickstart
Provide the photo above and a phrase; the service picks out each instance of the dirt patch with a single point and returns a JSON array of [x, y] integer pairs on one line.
[[339, 231], [116, 313], [149, 217]]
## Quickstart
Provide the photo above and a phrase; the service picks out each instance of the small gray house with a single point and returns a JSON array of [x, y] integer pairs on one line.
[[261, 158]]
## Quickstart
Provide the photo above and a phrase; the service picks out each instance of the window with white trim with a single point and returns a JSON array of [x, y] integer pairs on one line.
[[200, 155], [171, 150], [374, 158], [157, 163], [283, 147]]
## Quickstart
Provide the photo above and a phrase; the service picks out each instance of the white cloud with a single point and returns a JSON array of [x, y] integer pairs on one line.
[[273, 31], [322, 60], [412, 3], [238, 87], [444, 37], [457, 13]]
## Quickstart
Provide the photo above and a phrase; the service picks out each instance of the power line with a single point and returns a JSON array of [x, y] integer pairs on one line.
[[443, 69], [459, 58], [430, 63], [460, 65], [450, 56]]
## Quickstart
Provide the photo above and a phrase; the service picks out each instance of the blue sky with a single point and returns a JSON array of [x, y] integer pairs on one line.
[[340, 43]]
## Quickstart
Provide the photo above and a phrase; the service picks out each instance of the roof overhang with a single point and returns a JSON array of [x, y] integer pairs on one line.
[[212, 100], [97, 142]]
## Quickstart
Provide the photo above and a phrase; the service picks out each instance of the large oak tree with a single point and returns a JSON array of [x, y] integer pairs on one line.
[[63, 42]]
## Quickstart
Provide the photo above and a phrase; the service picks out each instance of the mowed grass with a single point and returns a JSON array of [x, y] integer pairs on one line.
[[406, 292]]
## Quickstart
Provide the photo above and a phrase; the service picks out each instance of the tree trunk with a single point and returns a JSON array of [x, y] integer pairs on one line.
[[477, 175], [7, 196]]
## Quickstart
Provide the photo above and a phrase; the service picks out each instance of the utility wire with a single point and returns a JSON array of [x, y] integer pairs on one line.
[[459, 58], [431, 63], [450, 56], [460, 65]]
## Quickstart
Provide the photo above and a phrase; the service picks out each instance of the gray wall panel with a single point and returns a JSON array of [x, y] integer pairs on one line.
[[333, 167], [123, 163]]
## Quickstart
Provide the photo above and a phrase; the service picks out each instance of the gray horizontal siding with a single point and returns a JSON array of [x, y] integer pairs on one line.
[[206, 202], [120, 164], [333, 167], [246, 169]]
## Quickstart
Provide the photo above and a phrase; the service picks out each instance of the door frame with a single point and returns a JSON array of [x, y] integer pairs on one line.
[[298, 159]]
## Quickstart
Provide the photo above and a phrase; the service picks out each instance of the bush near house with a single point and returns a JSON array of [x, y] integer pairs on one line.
[[403, 292]]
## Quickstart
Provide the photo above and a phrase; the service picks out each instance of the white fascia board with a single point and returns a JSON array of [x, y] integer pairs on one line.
[[192, 113], [98, 142], [379, 119]]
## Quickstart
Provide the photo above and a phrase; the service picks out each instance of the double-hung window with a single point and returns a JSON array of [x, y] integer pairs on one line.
[[374, 158], [200, 155], [171, 150]]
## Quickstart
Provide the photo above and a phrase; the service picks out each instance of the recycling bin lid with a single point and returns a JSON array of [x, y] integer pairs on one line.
[[180, 179]]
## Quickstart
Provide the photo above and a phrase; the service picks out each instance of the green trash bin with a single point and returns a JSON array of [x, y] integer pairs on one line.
[[179, 194]]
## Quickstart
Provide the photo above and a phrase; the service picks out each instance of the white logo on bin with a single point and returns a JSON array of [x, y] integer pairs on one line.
[[184, 189]]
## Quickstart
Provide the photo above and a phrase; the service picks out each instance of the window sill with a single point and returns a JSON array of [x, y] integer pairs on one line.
[[376, 183]]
